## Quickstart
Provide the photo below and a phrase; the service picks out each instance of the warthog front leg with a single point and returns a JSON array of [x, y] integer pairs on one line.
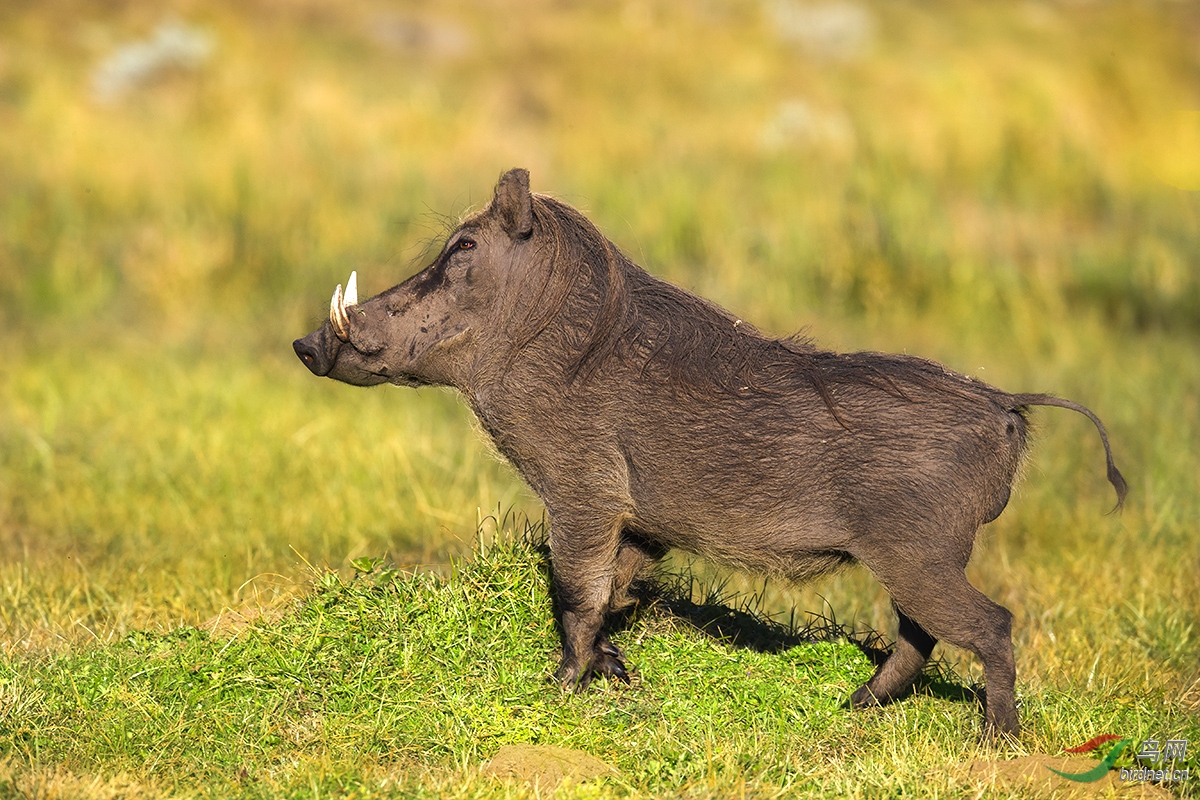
[[633, 556], [586, 563]]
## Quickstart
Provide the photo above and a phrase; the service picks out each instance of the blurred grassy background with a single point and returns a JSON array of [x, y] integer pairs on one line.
[[1009, 188]]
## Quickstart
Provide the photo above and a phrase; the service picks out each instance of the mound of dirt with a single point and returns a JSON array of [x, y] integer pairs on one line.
[[1032, 774], [544, 765]]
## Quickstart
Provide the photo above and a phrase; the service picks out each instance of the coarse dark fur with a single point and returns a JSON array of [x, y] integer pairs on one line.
[[647, 418]]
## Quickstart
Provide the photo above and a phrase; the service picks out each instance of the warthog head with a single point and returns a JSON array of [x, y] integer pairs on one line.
[[424, 331]]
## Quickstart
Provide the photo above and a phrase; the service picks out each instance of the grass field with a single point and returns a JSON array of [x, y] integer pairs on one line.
[[1010, 189]]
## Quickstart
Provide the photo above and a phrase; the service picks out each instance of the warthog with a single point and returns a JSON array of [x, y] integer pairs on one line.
[[647, 418]]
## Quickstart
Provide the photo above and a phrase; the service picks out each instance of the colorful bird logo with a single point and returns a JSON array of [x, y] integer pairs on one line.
[[1100, 770]]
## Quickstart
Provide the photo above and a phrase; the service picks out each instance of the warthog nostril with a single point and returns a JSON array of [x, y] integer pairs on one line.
[[309, 354]]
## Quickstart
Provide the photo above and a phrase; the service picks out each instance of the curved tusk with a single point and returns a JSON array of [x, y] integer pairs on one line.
[[337, 314], [343, 319], [352, 290]]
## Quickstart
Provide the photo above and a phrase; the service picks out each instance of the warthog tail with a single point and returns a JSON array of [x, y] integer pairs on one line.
[[1114, 474]]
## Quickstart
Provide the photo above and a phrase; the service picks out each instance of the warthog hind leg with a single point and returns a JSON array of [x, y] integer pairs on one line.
[[940, 603], [895, 675]]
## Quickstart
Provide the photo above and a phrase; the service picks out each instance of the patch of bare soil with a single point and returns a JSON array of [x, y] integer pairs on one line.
[[544, 766]]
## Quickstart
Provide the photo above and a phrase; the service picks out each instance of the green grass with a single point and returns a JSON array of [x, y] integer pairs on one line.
[[367, 677], [1010, 189], [391, 683]]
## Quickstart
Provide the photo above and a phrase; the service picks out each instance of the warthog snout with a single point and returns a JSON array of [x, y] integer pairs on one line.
[[319, 350], [312, 351]]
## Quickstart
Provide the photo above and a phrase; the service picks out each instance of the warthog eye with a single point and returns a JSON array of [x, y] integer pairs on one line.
[[465, 244]]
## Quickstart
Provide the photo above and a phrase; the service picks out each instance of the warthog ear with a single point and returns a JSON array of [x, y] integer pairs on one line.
[[514, 204]]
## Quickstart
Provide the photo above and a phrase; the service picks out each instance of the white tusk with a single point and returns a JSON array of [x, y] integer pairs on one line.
[[352, 290], [343, 319], [337, 314]]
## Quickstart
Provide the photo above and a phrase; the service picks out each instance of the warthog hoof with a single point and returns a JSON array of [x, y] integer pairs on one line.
[[863, 698], [607, 661]]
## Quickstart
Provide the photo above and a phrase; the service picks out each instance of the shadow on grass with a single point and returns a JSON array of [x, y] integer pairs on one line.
[[747, 627]]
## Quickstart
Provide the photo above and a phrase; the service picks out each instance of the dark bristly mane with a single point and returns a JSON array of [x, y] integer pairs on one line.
[[577, 260], [699, 345]]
